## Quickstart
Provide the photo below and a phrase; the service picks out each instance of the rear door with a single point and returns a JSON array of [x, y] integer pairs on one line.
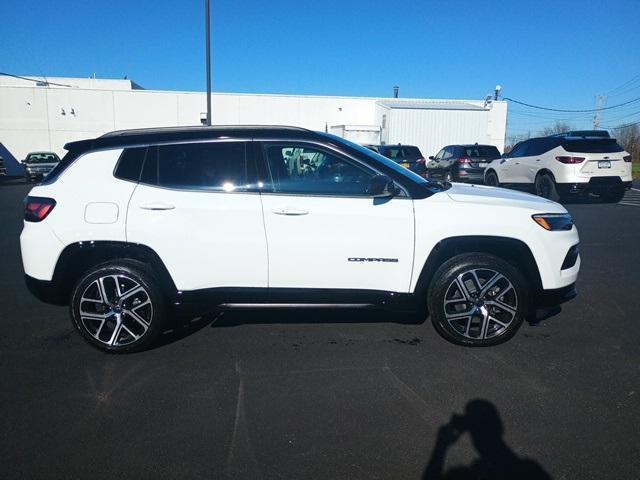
[[324, 230], [195, 208]]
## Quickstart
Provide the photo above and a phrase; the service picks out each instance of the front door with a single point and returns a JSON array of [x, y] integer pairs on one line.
[[324, 231]]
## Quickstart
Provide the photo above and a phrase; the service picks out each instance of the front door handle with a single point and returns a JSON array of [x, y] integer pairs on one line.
[[157, 206], [289, 211]]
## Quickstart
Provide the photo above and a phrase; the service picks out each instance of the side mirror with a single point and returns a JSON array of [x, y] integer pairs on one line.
[[383, 186], [432, 157]]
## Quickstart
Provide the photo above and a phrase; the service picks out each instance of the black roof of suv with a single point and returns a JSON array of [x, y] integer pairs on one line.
[[142, 136]]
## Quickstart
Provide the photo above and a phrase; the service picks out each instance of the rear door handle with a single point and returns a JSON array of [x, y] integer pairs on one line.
[[157, 206], [289, 211]]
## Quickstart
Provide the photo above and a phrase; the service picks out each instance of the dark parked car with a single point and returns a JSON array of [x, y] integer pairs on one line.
[[462, 163], [409, 156], [38, 164]]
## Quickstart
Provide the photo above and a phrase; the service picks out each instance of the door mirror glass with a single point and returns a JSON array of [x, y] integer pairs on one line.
[[382, 186], [431, 157]]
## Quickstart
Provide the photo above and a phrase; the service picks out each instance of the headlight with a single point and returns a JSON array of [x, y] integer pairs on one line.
[[554, 221]]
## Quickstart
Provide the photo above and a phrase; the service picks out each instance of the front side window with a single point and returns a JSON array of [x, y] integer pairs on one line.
[[448, 153], [308, 170], [217, 166], [520, 150]]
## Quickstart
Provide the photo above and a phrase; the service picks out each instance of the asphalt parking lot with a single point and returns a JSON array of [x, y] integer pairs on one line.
[[347, 394]]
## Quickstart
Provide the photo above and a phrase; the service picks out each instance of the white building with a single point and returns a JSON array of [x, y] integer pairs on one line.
[[45, 113]]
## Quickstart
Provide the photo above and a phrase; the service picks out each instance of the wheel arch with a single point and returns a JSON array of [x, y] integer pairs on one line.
[[512, 250], [490, 170], [78, 257], [545, 171]]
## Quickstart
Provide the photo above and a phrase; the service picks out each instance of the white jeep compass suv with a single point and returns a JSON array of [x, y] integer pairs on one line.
[[572, 163], [136, 227]]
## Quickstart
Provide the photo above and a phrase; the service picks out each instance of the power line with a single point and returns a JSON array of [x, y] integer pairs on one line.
[[590, 110], [34, 80], [623, 126], [619, 88]]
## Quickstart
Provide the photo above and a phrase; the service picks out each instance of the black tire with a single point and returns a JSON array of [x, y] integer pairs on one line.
[[147, 303], [491, 179], [478, 329], [613, 196], [545, 187]]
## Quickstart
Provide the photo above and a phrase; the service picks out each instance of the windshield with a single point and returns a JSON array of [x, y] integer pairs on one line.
[[42, 158], [381, 159]]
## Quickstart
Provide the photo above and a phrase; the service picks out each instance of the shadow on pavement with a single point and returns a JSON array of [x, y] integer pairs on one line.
[[496, 460]]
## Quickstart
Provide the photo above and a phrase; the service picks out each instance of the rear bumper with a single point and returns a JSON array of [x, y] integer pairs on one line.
[[458, 175], [596, 185], [555, 297], [45, 291], [471, 177]]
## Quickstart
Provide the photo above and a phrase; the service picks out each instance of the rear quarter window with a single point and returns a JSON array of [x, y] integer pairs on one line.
[[66, 161], [130, 164]]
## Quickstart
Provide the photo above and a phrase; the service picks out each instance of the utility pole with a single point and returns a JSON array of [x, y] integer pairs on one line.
[[600, 102], [207, 23]]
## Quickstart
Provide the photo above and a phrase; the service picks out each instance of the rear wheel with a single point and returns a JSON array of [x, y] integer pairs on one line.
[[491, 179], [118, 307], [546, 187], [613, 196], [477, 299]]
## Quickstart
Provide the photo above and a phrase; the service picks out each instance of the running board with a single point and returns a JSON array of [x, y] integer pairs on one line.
[[296, 305]]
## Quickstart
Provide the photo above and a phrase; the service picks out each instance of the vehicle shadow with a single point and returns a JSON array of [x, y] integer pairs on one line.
[[496, 460], [182, 327]]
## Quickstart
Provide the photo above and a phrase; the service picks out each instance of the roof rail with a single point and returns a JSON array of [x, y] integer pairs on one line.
[[583, 134]]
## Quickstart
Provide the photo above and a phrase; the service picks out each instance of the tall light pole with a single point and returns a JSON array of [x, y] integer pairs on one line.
[[207, 22]]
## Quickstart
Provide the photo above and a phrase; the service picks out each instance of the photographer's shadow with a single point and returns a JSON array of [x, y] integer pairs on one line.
[[496, 460]]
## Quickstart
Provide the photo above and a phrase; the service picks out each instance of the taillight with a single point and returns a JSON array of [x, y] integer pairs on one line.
[[463, 160], [570, 160], [421, 161], [627, 158], [36, 209]]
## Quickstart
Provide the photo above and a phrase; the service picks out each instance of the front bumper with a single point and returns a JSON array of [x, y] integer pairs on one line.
[[555, 297]]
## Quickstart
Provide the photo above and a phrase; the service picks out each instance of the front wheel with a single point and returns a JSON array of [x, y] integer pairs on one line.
[[477, 299], [491, 179], [118, 307]]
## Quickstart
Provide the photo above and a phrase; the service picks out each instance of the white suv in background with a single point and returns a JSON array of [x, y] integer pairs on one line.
[[135, 227], [571, 163]]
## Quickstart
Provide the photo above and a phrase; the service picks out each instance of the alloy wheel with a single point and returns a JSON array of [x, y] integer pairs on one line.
[[480, 304], [116, 310]]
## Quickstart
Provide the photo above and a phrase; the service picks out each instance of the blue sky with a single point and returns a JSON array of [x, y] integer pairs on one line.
[[550, 53]]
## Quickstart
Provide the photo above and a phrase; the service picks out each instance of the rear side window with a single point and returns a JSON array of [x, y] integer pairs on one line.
[[130, 164], [604, 145], [218, 166]]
